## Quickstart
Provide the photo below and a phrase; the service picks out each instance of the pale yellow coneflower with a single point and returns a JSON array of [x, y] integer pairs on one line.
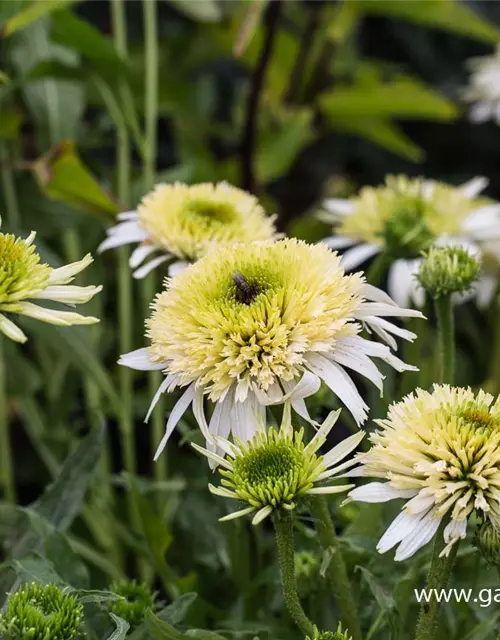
[[440, 451]]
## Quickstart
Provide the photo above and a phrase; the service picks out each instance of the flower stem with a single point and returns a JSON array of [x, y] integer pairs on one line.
[[9, 190], [151, 118], [446, 338], [438, 577], [337, 571], [6, 468], [283, 527]]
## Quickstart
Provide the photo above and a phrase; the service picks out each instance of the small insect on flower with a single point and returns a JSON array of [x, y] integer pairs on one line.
[[276, 468], [182, 223], [253, 325], [403, 219], [41, 612], [441, 452], [23, 278]]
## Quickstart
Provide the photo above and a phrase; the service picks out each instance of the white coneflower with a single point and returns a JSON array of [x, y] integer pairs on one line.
[[181, 223], [23, 278], [404, 218], [484, 88], [441, 452], [276, 468], [257, 324]]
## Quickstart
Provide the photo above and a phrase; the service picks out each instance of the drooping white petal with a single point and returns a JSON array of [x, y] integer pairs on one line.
[[400, 528], [340, 383], [352, 258], [419, 537], [237, 514], [401, 281], [367, 309], [140, 253], [175, 415], [485, 289], [454, 531], [474, 186], [140, 361], [159, 392], [330, 489], [480, 112], [146, 269], [339, 206], [177, 267], [68, 294], [212, 457], [247, 417], [262, 514], [388, 327], [127, 215], [123, 233], [379, 492], [353, 359], [11, 330], [63, 275], [199, 414], [338, 242], [54, 316], [375, 294], [483, 223]]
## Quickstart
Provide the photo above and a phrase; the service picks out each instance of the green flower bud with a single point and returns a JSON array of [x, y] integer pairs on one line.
[[137, 599], [487, 542], [447, 270], [330, 635], [306, 572], [41, 612]]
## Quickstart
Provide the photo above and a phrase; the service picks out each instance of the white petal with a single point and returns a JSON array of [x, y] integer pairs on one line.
[[366, 309], [213, 459], [455, 530], [418, 538], [262, 514], [370, 292], [401, 282], [11, 330], [379, 492], [400, 528], [199, 414], [473, 187], [483, 223], [338, 242], [359, 362], [178, 267], [485, 288], [340, 383], [324, 429], [123, 233], [247, 418], [237, 514], [143, 271], [339, 488], [392, 328], [63, 275], [352, 258], [54, 316], [140, 253], [127, 215], [480, 112], [139, 360], [67, 294], [161, 389], [343, 449], [339, 206], [176, 414]]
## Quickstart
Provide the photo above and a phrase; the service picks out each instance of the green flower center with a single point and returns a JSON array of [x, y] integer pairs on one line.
[[406, 233], [138, 599], [268, 464], [21, 273], [480, 420], [210, 213]]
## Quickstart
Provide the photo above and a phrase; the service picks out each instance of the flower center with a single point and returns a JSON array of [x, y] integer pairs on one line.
[[406, 233], [246, 290], [19, 268], [219, 213], [480, 420], [268, 464]]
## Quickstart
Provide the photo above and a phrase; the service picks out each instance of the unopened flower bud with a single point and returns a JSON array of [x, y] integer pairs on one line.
[[41, 612], [136, 600], [488, 542], [447, 270], [330, 635]]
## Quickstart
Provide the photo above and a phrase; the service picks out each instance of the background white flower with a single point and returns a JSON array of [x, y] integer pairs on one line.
[[484, 88]]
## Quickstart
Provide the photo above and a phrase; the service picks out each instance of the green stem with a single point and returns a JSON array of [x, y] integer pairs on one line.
[[6, 467], [283, 527], [150, 147], [337, 571], [439, 575], [125, 307], [446, 338], [377, 269], [9, 190]]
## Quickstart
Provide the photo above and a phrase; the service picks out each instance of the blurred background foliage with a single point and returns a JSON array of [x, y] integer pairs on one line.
[[293, 101]]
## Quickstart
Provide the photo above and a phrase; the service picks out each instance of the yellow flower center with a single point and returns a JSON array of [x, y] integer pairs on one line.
[[21, 273]]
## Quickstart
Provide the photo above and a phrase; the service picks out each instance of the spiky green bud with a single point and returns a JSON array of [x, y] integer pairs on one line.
[[447, 270], [487, 541], [137, 599], [330, 635], [41, 612]]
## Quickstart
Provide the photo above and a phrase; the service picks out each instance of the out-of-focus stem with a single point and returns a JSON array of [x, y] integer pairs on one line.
[[9, 190], [6, 466]]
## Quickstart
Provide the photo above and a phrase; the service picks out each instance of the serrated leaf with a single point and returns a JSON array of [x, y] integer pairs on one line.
[[383, 133], [122, 627], [449, 15], [63, 176], [204, 11], [176, 612], [400, 98], [31, 13]]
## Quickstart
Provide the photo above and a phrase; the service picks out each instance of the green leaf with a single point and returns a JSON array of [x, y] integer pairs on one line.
[[71, 31], [66, 562], [403, 97], [95, 596], [205, 11], [176, 612], [384, 600], [31, 13], [33, 567], [63, 176], [56, 106], [278, 149], [203, 634], [449, 15], [10, 122], [122, 626], [383, 133], [161, 630]]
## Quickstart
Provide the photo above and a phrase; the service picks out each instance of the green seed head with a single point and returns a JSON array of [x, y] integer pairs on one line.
[[137, 599], [21, 273], [330, 635], [487, 542], [41, 612], [447, 270], [406, 233]]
